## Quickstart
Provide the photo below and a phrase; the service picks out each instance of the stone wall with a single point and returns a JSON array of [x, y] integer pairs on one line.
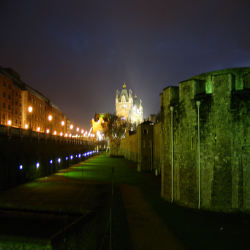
[[157, 141], [213, 174], [143, 147], [20, 152]]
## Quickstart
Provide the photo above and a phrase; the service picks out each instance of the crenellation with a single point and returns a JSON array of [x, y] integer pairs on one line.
[[223, 121]]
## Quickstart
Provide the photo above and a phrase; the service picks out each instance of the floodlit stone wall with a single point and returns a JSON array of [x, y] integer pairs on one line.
[[222, 155], [142, 147]]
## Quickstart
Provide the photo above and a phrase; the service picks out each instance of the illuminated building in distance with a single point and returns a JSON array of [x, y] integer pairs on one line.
[[128, 107]]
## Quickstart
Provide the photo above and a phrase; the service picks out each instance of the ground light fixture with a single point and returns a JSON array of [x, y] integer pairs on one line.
[[21, 167], [84, 155], [59, 160], [79, 155], [37, 165], [66, 158], [76, 156], [50, 161], [71, 157]]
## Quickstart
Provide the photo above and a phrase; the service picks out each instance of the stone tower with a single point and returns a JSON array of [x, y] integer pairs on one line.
[[128, 107]]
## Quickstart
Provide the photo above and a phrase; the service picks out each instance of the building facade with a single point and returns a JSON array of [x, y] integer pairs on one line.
[[128, 107], [17, 98]]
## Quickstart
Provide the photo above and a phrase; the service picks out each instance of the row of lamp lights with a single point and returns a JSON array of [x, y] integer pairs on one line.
[[84, 134], [66, 158]]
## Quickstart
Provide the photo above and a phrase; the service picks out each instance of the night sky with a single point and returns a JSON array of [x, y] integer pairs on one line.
[[78, 53]]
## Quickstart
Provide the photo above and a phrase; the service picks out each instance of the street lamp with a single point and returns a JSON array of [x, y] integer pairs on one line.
[[30, 110], [9, 123], [50, 119], [62, 123], [71, 127], [77, 130]]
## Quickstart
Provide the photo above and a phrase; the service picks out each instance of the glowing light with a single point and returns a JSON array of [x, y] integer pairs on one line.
[[47, 131], [66, 158], [82, 131], [37, 165], [77, 129], [70, 135], [59, 160], [50, 161], [79, 155], [62, 123], [21, 167], [26, 126], [38, 129], [9, 122], [30, 109], [71, 157], [76, 156], [66, 135], [50, 117], [71, 126], [61, 134], [54, 132]]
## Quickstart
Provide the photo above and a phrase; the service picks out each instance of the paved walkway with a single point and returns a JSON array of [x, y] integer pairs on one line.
[[143, 220]]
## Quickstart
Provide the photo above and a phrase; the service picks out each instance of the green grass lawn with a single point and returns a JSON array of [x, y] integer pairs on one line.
[[100, 169]]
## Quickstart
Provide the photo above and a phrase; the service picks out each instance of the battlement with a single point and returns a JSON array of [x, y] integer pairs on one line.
[[217, 83]]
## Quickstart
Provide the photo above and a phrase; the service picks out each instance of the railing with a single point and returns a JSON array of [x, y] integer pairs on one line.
[[19, 132]]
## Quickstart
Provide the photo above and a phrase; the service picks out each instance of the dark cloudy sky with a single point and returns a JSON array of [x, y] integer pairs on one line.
[[78, 53]]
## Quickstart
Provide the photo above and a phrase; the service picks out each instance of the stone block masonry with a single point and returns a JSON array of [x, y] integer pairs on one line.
[[205, 141]]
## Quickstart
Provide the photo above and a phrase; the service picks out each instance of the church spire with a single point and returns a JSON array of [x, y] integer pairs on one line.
[[124, 86]]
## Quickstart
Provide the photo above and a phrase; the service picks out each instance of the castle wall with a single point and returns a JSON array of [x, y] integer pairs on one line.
[[157, 146], [224, 142], [128, 147]]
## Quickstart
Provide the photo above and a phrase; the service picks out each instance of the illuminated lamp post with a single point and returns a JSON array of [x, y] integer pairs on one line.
[[30, 110], [71, 127], [9, 123], [77, 130], [50, 119], [62, 123], [38, 129], [82, 131]]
